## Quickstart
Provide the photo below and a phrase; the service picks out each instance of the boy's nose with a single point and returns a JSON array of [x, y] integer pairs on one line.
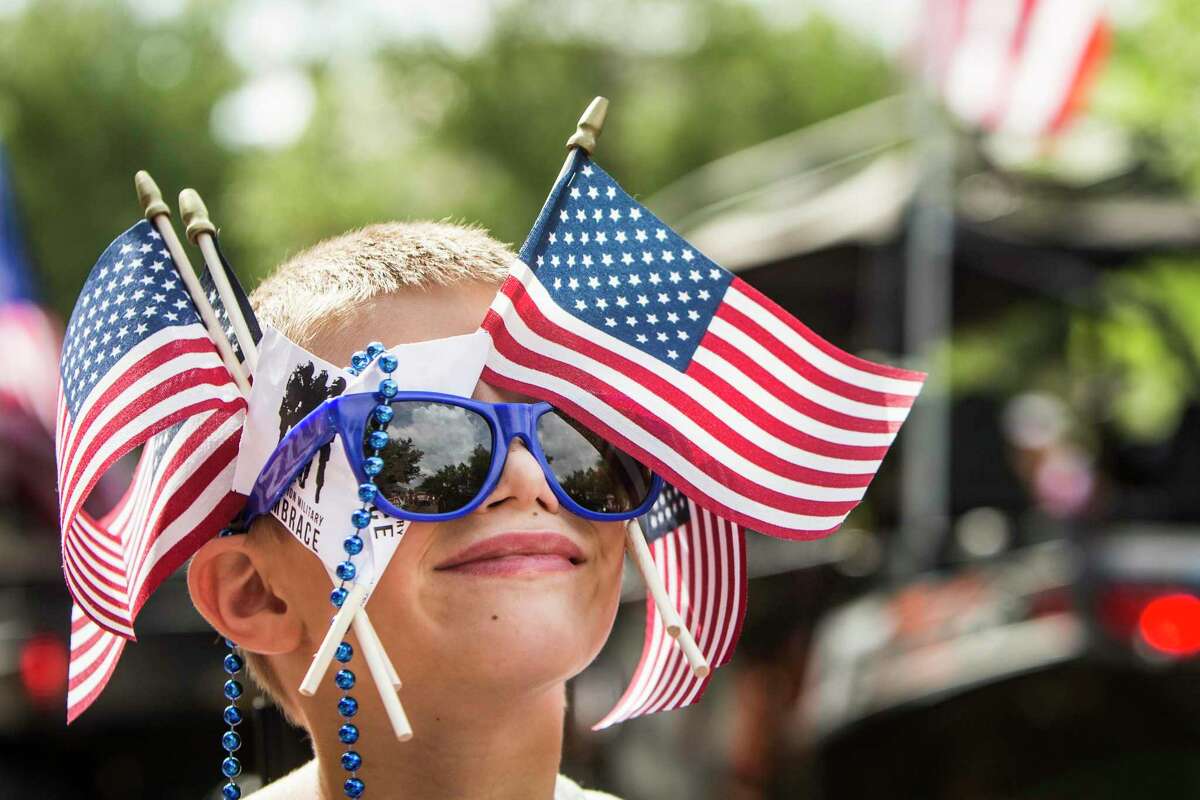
[[522, 483]]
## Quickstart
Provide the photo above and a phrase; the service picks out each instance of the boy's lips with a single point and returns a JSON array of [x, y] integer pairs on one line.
[[515, 553]]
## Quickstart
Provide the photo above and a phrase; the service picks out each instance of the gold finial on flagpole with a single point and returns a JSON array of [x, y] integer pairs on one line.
[[149, 195], [587, 131], [194, 214]]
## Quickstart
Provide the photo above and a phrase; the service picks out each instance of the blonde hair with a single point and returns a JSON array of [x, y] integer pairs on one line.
[[316, 290]]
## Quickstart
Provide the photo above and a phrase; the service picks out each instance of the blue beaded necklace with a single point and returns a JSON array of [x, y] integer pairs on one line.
[[346, 572]]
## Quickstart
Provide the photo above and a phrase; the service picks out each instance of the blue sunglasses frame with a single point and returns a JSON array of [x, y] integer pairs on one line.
[[347, 416]]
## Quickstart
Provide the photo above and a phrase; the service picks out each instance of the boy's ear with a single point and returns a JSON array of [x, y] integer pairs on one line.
[[231, 590]]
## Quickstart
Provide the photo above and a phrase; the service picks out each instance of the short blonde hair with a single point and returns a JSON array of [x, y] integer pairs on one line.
[[315, 291]]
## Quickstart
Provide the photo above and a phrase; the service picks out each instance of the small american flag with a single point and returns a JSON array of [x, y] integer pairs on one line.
[[701, 559], [612, 316], [138, 368]]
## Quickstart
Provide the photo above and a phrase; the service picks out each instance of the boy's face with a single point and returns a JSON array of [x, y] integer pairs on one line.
[[517, 623]]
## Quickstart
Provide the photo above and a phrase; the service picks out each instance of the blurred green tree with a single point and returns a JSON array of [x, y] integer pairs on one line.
[[89, 93]]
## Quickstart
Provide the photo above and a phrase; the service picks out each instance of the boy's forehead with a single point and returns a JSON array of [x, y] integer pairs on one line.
[[413, 315]]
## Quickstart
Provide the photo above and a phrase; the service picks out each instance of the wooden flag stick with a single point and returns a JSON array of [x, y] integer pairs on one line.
[[635, 543], [333, 637], [382, 672], [160, 217], [200, 230], [370, 629]]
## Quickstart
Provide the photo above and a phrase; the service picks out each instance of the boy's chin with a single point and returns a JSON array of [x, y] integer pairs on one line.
[[524, 645]]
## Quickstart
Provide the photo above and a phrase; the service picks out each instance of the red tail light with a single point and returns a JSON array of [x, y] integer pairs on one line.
[[1171, 624], [44, 669]]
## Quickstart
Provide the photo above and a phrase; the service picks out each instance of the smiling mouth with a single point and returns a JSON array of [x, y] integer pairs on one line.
[[516, 554]]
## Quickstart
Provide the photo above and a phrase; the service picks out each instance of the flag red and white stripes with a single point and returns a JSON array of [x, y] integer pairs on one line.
[[180, 492], [29, 380], [1020, 66], [138, 369], [769, 425], [703, 566], [94, 656]]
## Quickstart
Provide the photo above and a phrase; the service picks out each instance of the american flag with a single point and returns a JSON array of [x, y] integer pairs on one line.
[[701, 559], [28, 382], [1019, 66], [612, 316], [138, 368]]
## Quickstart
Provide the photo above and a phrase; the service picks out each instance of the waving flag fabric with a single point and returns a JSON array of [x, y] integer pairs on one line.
[[702, 561], [615, 318], [138, 368], [1021, 66]]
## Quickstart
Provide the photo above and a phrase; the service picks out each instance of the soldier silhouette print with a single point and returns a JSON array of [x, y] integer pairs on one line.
[[306, 389]]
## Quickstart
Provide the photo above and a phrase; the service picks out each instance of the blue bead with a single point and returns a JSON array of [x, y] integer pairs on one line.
[[360, 518], [229, 643], [231, 791], [233, 689], [388, 363], [344, 679], [233, 715], [353, 787], [388, 387], [373, 465], [231, 767], [344, 652], [377, 440], [351, 760], [348, 733], [231, 741], [374, 349], [346, 571], [360, 360], [233, 663], [354, 371], [338, 596], [353, 545], [383, 413], [367, 492], [347, 706]]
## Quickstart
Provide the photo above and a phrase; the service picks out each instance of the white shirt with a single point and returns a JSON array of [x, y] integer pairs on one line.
[[567, 789]]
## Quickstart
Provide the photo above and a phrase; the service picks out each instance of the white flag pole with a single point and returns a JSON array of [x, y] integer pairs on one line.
[[383, 674], [200, 231], [639, 551], [160, 217]]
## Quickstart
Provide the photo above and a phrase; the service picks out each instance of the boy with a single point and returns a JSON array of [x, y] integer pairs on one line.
[[485, 617]]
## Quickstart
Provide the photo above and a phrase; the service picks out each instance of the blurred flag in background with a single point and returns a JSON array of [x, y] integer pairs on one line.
[[28, 335], [29, 345], [1015, 66]]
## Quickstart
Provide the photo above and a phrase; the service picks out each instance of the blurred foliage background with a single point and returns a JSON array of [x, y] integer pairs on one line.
[[293, 129]]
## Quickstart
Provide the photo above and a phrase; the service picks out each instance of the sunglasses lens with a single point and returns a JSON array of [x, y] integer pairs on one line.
[[437, 458], [591, 471]]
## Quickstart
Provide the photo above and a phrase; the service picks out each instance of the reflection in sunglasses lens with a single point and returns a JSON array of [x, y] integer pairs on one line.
[[591, 471], [437, 458]]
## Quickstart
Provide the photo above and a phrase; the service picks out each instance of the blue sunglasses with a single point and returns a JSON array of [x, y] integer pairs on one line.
[[439, 456]]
